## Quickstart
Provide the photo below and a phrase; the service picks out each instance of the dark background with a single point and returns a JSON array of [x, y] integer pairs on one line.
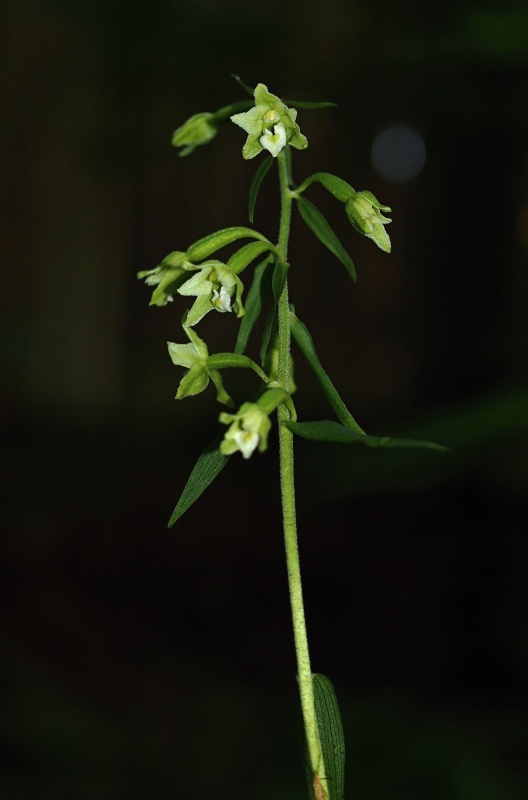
[[137, 663]]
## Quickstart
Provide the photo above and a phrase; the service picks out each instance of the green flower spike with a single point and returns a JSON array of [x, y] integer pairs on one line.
[[363, 211], [198, 129], [165, 277], [214, 286], [193, 357], [270, 125]]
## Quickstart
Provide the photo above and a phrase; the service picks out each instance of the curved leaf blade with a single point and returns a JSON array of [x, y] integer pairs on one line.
[[326, 430], [309, 104], [269, 328], [260, 174], [241, 83], [331, 735], [205, 247], [258, 292], [320, 227], [247, 253], [207, 468], [304, 341]]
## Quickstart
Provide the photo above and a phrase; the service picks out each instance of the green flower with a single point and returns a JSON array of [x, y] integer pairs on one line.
[[215, 286], [165, 277], [248, 430], [193, 357], [363, 211], [270, 125], [198, 129]]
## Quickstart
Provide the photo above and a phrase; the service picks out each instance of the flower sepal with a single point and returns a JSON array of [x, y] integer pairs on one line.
[[250, 426], [215, 286], [194, 356], [166, 277]]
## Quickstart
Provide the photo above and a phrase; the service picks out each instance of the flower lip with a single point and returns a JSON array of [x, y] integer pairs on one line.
[[274, 142]]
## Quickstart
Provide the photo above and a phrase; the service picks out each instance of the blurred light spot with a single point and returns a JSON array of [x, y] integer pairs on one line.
[[398, 154]]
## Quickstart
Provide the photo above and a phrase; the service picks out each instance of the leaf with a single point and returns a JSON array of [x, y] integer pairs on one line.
[[304, 340], [308, 104], [318, 224], [331, 735], [248, 253], [259, 176], [266, 336], [205, 247], [280, 273], [329, 431], [241, 83], [258, 291], [207, 468]]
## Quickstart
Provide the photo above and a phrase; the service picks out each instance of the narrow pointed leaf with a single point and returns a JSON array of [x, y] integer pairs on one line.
[[207, 468], [308, 104], [331, 735], [326, 430], [318, 224], [205, 247], [304, 341], [248, 253], [241, 83], [280, 273], [260, 174], [258, 292], [266, 336]]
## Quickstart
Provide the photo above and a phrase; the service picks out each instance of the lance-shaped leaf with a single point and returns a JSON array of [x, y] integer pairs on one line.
[[256, 296], [241, 83], [304, 340], [207, 468], [205, 247], [269, 331], [310, 104], [260, 174], [332, 739], [326, 430], [318, 224], [280, 273], [248, 253]]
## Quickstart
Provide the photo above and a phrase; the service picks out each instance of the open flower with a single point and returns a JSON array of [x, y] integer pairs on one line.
[[193, 356], [198, 129], [248, 430], [270, 125], [364, 212], [215, 286], [165, 278]]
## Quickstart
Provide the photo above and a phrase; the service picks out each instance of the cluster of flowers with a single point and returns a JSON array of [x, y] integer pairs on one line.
[[270, 126]]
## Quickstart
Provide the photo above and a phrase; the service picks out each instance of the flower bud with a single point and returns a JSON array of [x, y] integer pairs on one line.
[[198, 129], [364, 212]]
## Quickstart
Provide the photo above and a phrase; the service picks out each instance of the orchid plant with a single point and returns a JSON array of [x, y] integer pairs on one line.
[[272, 131]]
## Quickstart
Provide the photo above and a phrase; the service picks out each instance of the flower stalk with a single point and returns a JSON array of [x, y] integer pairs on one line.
[[304, 672]]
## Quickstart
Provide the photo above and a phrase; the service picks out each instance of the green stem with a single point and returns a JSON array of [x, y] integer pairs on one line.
[[304, 673]]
